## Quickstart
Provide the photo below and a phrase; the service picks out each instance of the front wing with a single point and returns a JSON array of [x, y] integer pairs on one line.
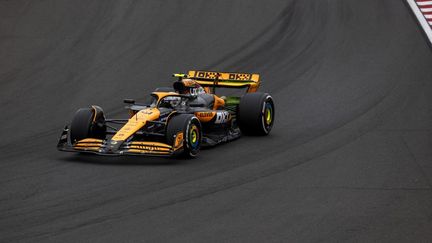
[[107, 147]]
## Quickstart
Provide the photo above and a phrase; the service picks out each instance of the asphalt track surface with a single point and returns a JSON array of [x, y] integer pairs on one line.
[[349, 158]]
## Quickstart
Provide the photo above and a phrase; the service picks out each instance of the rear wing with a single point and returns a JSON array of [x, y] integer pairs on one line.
[[226, 80]]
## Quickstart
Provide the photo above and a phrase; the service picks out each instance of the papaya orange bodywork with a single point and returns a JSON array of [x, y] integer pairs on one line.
[[218, 103], [179, 141], [135, 123], [205, 116]]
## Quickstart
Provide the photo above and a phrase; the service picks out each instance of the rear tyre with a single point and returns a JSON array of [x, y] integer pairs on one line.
[[88, 123], [190, 126], [256, 114]]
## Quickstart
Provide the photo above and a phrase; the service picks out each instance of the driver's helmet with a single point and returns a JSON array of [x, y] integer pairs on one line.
[[188, 86]]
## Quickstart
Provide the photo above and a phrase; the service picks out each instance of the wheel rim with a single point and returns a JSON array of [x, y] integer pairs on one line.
[[267, 116], [194, 136]]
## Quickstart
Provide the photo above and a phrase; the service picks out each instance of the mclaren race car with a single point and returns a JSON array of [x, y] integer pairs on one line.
[[175, 121]]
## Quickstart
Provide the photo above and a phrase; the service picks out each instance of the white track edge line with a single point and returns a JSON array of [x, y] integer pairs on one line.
[[420, 17]]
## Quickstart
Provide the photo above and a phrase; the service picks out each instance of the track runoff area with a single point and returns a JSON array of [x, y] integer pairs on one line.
[[423, 11]]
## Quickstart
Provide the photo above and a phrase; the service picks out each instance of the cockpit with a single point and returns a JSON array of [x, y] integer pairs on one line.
[[172, 102]]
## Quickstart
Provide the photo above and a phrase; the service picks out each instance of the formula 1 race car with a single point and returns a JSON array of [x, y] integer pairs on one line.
[[175, 121]]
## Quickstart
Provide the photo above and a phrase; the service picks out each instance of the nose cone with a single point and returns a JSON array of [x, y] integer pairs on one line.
[[135, 123], [113, 146]]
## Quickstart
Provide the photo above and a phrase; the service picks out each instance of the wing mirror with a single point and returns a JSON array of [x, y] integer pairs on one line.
[[129, 101]]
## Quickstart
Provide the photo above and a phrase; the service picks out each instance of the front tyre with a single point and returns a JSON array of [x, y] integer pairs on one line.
[[88, 123], [256, 113], [190, 126]]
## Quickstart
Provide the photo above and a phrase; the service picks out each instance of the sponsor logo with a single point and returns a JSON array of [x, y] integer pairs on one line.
[[240, 76], [149, 148], [147, 112], [197, 91], [210, 75], [231, 76], [222, 117], [204, 114]]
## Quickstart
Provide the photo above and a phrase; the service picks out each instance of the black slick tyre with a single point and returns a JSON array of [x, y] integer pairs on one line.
[[256, 113], [88, 123]]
